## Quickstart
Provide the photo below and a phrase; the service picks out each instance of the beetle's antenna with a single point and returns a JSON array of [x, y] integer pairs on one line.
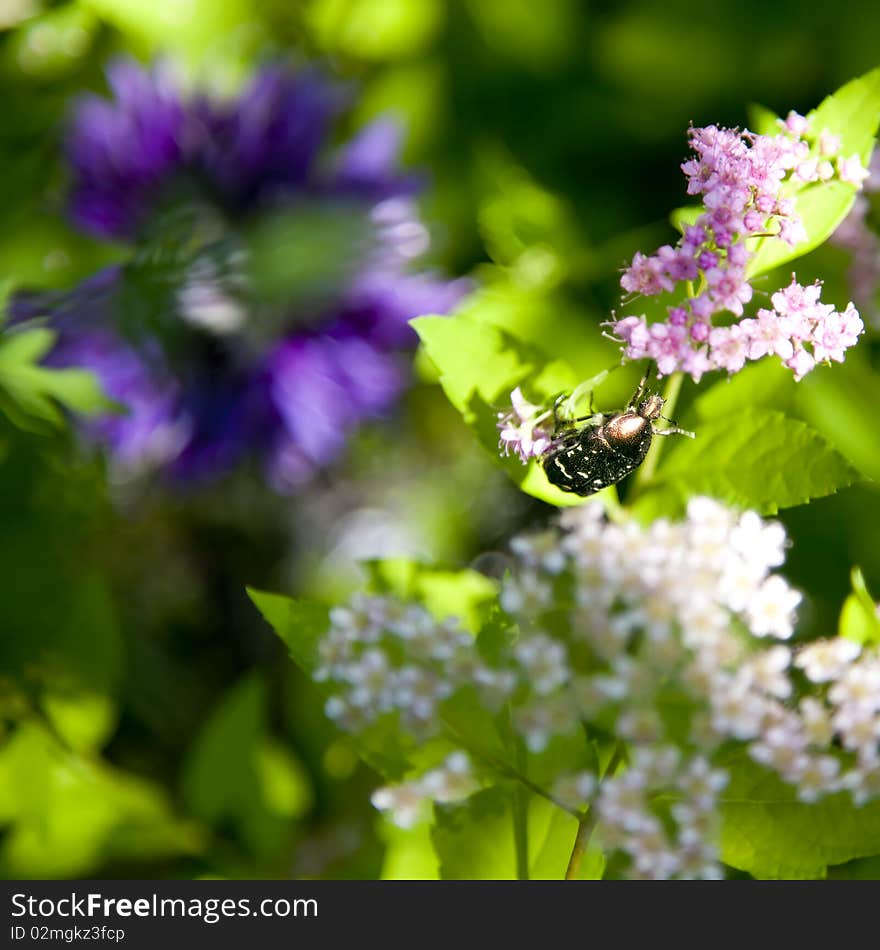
[[675, 431]]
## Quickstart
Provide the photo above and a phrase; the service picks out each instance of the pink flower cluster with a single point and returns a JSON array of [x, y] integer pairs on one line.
[[799, 329], [741, 177]]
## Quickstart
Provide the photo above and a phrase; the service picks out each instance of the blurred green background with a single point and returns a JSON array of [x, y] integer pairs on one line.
[[150, 724]]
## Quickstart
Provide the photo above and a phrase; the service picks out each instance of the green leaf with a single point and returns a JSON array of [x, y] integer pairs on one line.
[[853, 113], [840, 402], [770, 834], [30, 392], [67, 815], [860, 615], [236, 772], [475, 840], [189, 31], [761, 119], [764, 384], [409, 854], [837, 401], [862, 869], [523, 225], [299, 623], [465, 594], [753, 458]]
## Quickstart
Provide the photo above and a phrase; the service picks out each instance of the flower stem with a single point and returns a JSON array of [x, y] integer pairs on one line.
[[582, 839], [587, 823], [502, 767], [521, 823], [649, 466]]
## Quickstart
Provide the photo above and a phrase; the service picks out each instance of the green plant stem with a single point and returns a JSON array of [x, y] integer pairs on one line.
[[521, 823], [587, 823], [649, 466], [502, 767], [582, 839]]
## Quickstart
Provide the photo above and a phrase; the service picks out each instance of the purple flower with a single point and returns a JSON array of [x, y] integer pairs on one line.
[[207, 364]]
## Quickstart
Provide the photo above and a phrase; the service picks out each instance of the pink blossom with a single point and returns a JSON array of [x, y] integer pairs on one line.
[[829, 144], [795, 124], [728, 348], [519, 430], [792, 231], [677, 263], [666, 345], [729, 289], [702, 307], [700, 332], [634, 332], [807, 170], [800, 363], [828, 340], [754, 221], [696, 362], [852, 170], [767, 334], [645, 276], [796, 299]]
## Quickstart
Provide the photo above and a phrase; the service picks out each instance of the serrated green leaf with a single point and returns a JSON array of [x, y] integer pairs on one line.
[[753, 458], [475, 840], [770, 834], [837, 401], [765, 383]]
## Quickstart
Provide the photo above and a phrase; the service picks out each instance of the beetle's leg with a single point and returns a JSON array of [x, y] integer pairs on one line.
[[556, 404]]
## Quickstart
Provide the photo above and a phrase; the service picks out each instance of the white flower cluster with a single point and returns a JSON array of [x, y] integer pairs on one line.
[[670, 638], [631, 822], [407, 803], [384, 657]]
